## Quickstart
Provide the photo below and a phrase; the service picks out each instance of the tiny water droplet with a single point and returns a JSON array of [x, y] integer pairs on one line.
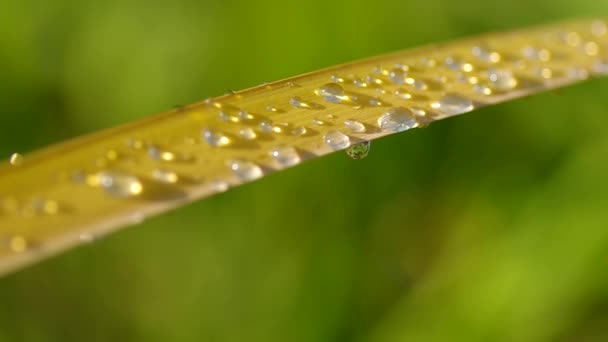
[[502, 79], [160, 154], [272, 109], [482, 89], [213, 138], [45, 206], [397, 75], [536, 53], [452, 104], [318, 122], [300, 130], [18, 244], [486, 55], [116, 183], [165, 176], [337, 140], [359, 151], [266, 126], [297, 102], [285, 155], [397, 119], [16, 159], [355, 126], [246, 170], [247, 133]]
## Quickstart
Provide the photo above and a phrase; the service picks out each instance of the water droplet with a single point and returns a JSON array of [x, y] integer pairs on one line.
[[337, 79], [600, 66], [45, 206], [300, 130], [591, 48], [355, 126], [486, 55], [334, 93], [247, 133], [545, 73], [337, 140], [218, 186], [397, 119], [245, 170], [482, 89], [272, 109], [135, 144], [285, 155], [402, 93], [359, 151], [297, 102], [453, 105], [160, 154], [502, 79], [266, 126], [318, 122], [165, 176], [116, 183], [213, 138], [416, 84], [361, 83], [598, 28], [535, 53], [397, 75], [16, 159], [18, 244]]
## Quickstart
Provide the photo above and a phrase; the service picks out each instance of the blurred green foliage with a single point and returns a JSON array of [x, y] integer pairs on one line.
[[488, 227]]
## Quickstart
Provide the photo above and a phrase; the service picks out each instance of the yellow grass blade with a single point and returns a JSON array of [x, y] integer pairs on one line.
[[73, 192]]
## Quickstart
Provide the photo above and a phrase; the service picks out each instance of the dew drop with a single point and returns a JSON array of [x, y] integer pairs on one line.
[[246, 170], [486, 55], [402, 93], [16, 159], [397, 75], [359, 151], [502, 79], [318, 122], [300, 130], [336, 140], [45, 206], [165, 176], [117, 184], [334, 93], [297, 102], [272, 109], [266, 126], [247, 133], [285, 155], [160, 154], [453, 105], [18, 244], [535, 53], [397, 119], [213, 138], [218, 186], [598, 28], [482, 89], [355, 126]]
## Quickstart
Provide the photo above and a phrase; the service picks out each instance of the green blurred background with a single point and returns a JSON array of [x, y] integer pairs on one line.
[[488, 227]]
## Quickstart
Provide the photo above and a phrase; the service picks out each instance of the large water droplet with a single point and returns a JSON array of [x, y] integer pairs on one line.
[[116, 183], [246, 170], [300, 130], [397, 119], [285, 155], [334, 93], [16, 159], [453, 105], [359, 151], [337, 140], [355, 126], [502, 79], [213, 138]]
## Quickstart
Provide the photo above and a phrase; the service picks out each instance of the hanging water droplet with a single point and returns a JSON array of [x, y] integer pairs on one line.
[[337, 140], [213, 138], [285, 155], [247, 133], [355, 126], [397, 119], [359, 151], [452, 104], [502, 79], [246, 170], [165, 176], [116, 183], [16, 159]]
